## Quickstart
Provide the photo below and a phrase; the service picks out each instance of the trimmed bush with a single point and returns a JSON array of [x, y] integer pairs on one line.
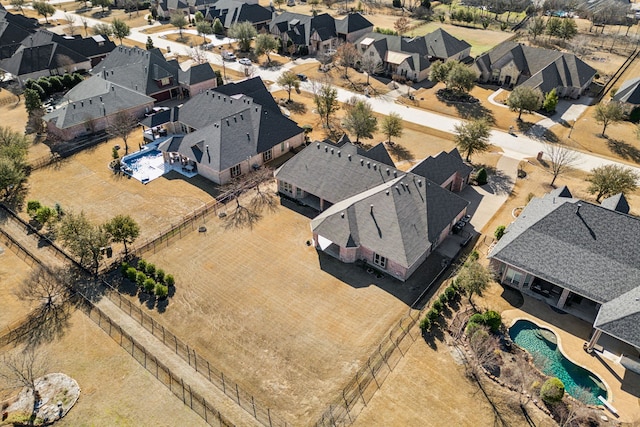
[[425, 324], [476, 318], [169, 280], [67, 81], [443, 299], [123, 268], [552, 390], [161, 290], [151, 270], [149, 285], [450, 292], [471, 328], [160, 275], [141, 278], [499, 232], [432, 314], [481, 176], [437, 305], [493, 320], [33, 206], [132, 273], [142, 265]]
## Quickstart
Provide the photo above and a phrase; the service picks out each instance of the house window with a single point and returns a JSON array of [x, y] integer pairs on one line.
[[282, 147], [380, 261], [165, 81], [267, 155], [235, 171], [513, 277], [286, 187]]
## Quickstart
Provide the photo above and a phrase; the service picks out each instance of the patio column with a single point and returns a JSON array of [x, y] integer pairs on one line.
[[594, 340], [563, 298]]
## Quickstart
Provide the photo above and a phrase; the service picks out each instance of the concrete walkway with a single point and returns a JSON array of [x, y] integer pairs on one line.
[[198, 383]]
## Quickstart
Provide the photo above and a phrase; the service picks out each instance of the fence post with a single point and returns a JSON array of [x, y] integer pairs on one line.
[[254, 407], [224, 387], [269, 415], [184, 398], [237, 393]]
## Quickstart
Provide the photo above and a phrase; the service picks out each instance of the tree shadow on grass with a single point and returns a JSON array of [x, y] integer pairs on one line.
[[45, 324], [399, 152], [296, 107], [512, 296], [469, 111], [162, 304], [624, 149]]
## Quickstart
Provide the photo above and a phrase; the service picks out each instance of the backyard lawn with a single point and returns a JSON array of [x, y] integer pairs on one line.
[[13, 271]]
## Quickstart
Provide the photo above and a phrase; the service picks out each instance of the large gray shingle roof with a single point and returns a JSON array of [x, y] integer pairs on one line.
[[629, 92], [95, 97], [440, 168], [594, 252]]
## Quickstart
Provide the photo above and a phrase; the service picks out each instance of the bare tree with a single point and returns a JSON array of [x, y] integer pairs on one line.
[[370, 65], [22, 368], [264, 198], [70, 21], [121, 125], [348, 56], [242, 216], [85, 25], [561, 159], [49, 288], [198, 55]]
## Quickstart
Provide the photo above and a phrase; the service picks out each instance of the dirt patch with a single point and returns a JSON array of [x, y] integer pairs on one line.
[[57, 393]]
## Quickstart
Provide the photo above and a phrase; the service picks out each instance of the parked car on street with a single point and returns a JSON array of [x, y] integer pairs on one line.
[[245, 61], [228, 56]]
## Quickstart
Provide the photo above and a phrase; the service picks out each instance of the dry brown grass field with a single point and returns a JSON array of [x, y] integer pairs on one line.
[[13, 271], [85, 183], [275, 317], [115, 389]]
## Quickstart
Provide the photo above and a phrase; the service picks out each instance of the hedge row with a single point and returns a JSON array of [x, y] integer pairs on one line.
[[148, 277], [449, 295], [46, 86]]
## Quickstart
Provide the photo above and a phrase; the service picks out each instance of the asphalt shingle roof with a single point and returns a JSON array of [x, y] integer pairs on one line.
[[629, 92], [440, 168], [617, 203], [621, 317], [233, 124], [589, 249], [95, 97], [396, 214]]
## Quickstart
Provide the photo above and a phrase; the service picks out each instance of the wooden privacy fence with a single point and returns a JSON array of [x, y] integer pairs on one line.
[[245, 400], [174, 383]]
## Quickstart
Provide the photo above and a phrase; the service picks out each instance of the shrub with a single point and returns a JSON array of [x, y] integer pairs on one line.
[[472, 328], [76, 78], [493, 320], [45, 85], [499, 232], [140, 278], [67, 81], [161, 290], [56, 84], [123, 268], [432, 314], [450, 292], [425, 324], [149, 285], [169, 280], [28, 84], [443, 299], [481, 176], [132, 273], [33, 206], [142, 265], [474, 255], [476, 318], [41, 93], [160, 275], [151, 270], [552, 390], [397, 3], [437, 305]]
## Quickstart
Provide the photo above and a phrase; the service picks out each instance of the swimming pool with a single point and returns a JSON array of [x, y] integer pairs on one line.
[[541, 343], [145, 165]]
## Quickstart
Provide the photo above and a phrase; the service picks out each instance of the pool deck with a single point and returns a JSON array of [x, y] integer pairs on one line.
[[623, 385]]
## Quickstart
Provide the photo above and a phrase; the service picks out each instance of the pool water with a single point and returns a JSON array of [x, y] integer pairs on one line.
[[542, 345], [145, 165]]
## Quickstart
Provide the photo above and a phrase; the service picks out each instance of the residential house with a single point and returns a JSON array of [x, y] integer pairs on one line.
[[91, 106], [320, 33], [369, 210], [230, 12], [628, 95], [148, 72], [513, 64], [231, 130], [44, 53], [409, 57], [13, 29], [448, 170], [579, 257]]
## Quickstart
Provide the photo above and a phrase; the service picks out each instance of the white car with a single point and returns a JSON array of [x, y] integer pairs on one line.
[[245, 61]]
